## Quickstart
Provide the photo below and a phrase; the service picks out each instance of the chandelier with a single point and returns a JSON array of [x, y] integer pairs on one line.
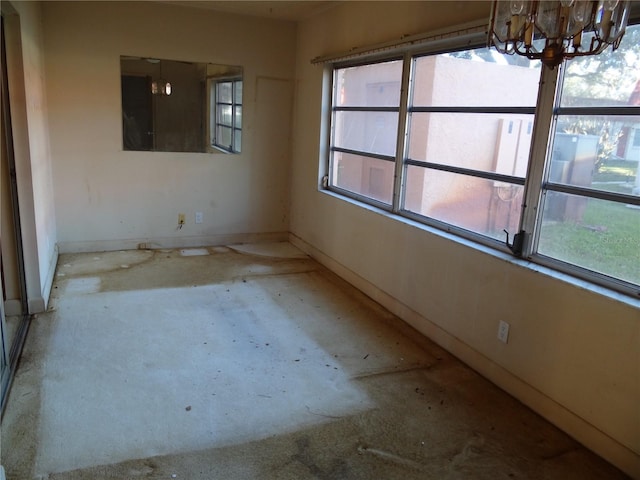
[[554, 30], [159, 86]]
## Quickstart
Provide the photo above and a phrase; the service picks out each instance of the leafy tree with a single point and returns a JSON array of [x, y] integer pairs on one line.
[[611, 76], [608, 79]]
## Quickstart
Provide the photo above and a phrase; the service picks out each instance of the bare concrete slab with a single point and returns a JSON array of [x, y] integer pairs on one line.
[[245, 364]]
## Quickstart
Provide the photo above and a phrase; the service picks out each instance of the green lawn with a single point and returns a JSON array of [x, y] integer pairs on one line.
[[607, 240], [616, 171]]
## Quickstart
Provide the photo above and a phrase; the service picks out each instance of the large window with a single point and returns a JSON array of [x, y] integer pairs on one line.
[[366, 106], [591, 196], [465, 141], [470, 121], [226, 127]]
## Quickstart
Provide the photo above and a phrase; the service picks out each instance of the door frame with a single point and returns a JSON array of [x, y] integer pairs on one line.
[[11, 353]]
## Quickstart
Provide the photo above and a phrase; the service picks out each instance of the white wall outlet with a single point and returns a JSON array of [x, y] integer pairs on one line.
[[199, 217], [503, 331]]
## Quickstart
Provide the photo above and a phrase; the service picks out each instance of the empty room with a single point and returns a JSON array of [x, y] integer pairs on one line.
[[320, 240]]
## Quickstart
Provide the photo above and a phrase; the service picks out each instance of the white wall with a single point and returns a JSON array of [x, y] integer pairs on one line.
[[31, 148], [572, 355], [107, 198]]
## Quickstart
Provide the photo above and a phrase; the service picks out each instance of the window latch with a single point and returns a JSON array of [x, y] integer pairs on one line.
[[518, 242]]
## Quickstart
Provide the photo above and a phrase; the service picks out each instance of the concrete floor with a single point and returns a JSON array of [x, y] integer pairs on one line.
[[254, 362]]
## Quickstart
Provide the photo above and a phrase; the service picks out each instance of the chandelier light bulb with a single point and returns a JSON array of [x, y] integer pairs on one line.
[[517, 7]]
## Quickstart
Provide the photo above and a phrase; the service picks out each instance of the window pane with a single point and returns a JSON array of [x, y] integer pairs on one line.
[[237, 140], [487, 142], [476, 204], [224, 92], [595, 234], [224, 137], [473, 78], [238, 93], [596, 152], [224, 114], [371, 132], [366, 176], [608, 79], [375, 85], [238, 111]]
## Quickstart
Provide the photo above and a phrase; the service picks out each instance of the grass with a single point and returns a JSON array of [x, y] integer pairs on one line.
[[606, 240], [616, 171]]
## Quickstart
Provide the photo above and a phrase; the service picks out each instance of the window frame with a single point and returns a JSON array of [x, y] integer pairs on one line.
[[539, 185], [535, 182], [331, 148], [214, 116]]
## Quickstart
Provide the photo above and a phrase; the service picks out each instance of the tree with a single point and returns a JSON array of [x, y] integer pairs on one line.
[[610, 76]]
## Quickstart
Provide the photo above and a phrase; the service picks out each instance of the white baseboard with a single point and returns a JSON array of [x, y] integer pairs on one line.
[[580, 429], [170, 242], [48, 283]]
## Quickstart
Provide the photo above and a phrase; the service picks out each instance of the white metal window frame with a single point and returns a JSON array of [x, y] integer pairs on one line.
[[535, 185], [214, 117], [538, 183]]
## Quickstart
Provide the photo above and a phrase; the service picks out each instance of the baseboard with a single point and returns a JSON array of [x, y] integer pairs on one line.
[[575, 426], [48, 283], [170, 242]]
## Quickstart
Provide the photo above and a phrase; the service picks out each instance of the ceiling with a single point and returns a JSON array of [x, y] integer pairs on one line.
[[280, 10]]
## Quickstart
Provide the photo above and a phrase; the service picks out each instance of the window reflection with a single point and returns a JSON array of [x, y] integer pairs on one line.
[[170, 106]]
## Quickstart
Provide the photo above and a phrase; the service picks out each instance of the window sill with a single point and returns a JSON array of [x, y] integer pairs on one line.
[[529, 264]]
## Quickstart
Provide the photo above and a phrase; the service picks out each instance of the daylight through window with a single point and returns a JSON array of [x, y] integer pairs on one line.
[[226, 131], [460, 140]]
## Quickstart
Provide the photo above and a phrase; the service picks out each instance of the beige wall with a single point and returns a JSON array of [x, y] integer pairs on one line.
[[572, 354], [107, 198], [28, 102]]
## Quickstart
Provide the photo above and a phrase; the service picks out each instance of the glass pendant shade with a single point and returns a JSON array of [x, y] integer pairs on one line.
[[160, 87], [552, 31]]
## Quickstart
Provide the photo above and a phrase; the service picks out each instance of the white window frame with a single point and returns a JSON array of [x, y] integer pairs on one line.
[[236, 128], [535, 184], [538, 183]]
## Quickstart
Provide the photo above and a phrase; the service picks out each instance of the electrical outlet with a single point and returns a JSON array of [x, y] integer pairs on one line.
[[199, 217], [503, 331], [181, 219]]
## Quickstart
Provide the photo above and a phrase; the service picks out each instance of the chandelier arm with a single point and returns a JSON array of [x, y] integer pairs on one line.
[[515, 26]]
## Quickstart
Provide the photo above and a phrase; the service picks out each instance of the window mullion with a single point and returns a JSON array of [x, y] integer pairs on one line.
[[532, 207], [398, 190]]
